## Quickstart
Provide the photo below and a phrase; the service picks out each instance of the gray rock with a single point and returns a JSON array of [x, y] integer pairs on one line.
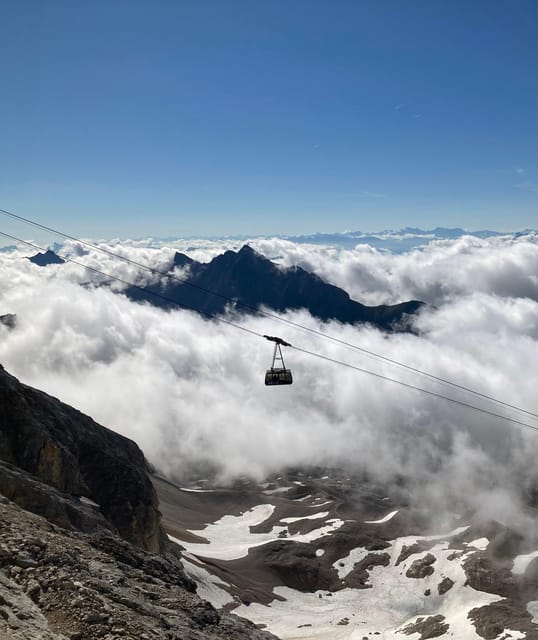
[[422, 567]]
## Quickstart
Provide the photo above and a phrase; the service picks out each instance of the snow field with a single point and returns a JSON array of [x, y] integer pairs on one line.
[[393, 602], [230, 537], [388, 517]]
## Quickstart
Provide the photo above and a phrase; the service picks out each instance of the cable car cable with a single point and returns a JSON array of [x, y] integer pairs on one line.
[[262, 312], [412, 386], [268, 314], [279, 340]]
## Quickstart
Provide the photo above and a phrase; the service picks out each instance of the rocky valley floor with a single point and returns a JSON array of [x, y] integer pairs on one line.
[[317, 554]]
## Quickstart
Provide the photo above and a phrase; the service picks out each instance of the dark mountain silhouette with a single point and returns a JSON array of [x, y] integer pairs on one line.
[[252, 281], [44, 259]]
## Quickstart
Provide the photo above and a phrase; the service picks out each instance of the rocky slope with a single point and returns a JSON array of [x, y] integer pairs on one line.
[[71, 453], [46, 258], [254, 281], [82, 551]]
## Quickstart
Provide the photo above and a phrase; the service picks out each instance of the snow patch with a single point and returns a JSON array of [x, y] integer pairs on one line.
[[314, 516], [207, 585], [346, 564], [479, 543], [321, 504], [522, 562], [230, 537], [532, 608], [388, 517]]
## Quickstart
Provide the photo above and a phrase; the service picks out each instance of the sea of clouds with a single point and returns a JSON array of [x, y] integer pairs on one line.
[[190, 391]]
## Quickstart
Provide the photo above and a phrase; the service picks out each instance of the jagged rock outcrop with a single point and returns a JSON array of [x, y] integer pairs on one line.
[[421, 567], [46, 258], [254, 281], [42, 499], [69, 451], [357, 578], [428, 627]]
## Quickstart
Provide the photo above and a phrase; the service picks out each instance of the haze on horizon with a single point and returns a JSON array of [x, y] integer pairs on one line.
[[212, 119]]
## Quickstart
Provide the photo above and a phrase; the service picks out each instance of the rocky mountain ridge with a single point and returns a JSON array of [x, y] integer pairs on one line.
[[252, 281], [246, 281]]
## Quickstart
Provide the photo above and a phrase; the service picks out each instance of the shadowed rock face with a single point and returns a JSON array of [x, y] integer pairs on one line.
[[70, 452], [46, 258], [254, 281], [429, 627], [9, 320]]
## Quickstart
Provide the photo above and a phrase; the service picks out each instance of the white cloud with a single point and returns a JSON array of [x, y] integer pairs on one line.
[[191, 391], [441, 271]]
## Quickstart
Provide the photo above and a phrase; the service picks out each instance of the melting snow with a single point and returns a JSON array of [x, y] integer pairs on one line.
[[532, 608], [522, 562], [207, 584], [314, 516], [393, 602], [346, 564], [388, 517], [479, 543], [320, 504], [230, 537], [509, 634]]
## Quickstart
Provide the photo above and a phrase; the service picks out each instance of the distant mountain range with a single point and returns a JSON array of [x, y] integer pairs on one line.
[[400, 240], [252, 281]]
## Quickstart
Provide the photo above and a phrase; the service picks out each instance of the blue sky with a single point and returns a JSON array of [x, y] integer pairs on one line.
[[224, 117]]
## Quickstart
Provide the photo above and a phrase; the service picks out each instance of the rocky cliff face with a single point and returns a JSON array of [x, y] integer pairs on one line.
[[73, 454]]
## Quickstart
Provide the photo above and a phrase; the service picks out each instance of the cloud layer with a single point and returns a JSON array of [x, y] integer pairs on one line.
[[191, 392]]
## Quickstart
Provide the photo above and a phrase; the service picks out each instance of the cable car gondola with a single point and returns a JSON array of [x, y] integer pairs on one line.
[[278, 375]]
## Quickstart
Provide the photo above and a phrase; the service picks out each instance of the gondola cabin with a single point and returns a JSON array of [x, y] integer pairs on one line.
[[278, 375]]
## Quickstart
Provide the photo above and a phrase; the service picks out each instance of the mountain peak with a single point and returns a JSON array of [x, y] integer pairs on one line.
[[46, 258], [252, 281], [181, 260]]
